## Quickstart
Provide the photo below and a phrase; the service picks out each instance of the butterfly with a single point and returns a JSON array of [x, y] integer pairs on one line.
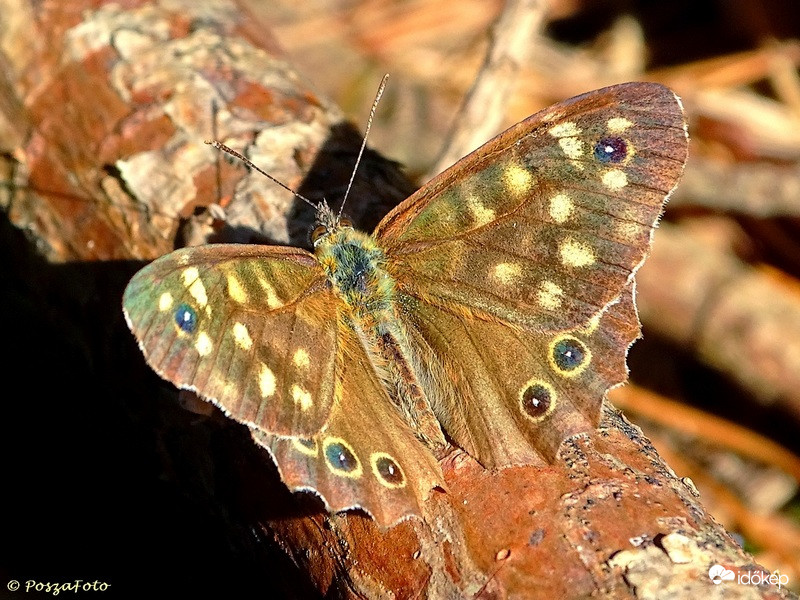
[[491, 310]]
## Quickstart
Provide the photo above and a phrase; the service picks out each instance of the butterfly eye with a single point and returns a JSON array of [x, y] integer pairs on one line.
[[345, 222], [318, 232]]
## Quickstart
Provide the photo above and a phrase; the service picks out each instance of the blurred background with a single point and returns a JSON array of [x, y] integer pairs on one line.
[[715, 381]]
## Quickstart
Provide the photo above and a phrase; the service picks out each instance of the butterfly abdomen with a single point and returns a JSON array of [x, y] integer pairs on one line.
[[355, 267]]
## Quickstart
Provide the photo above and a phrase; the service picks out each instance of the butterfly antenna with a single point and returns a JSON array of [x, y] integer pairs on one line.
[[378, 95], [249, 163]]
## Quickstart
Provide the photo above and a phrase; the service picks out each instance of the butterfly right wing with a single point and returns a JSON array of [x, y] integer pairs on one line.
[[510, 398], [544, 226], [250, 328], [366, 456]]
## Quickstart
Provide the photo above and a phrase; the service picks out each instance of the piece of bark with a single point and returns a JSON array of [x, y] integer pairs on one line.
[[108, 119], [481, 114]]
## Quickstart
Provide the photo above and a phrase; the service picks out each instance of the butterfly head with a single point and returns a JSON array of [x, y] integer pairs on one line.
[[327, 222]]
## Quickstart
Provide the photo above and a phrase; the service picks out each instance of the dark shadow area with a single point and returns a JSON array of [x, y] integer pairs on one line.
[[377, 188], [673, 372], [105, 477]]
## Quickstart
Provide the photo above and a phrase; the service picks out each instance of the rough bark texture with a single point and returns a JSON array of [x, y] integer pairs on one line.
[[104, 110]]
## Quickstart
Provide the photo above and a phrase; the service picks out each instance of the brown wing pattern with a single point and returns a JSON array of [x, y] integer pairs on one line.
[[508, 398], [366, 456], [544, 226], [246, 327]]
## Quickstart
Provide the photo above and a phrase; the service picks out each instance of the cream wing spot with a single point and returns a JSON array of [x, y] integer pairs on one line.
[[165, 302], [506, 273], [572, 147], [615, 179], [301, 359], [591, 325], [242, 336], [629, 230], [576, 254], [517, 179], [203, 344], [568, 129], [479, 212], [272, 297], [266, 381], [235, 290], [192, 282], [198, 292], [618, 125], [189, 276], [561, 208], [550, 295], [302, 398]]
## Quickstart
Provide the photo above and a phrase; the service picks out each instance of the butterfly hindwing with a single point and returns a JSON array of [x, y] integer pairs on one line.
[[366, 456], [507, 397], [247, 327], [544, 225]]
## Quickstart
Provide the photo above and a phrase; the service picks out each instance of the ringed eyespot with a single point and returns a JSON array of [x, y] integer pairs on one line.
[[611, 150], [538, 399], [186, 318], [569, 356], [387, 470], [340, 458]]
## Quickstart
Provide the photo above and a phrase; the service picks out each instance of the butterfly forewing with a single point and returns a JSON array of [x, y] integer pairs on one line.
[[247, 327], [544, 226], [366, 456]]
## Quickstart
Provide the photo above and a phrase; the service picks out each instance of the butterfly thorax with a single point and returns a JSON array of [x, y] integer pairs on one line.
[[356, 269], [354, 265]]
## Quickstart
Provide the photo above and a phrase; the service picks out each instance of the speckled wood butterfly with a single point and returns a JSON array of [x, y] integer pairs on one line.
[[492, 309]]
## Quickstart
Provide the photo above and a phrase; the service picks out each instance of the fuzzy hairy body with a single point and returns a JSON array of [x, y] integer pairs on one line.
[[355, 267]]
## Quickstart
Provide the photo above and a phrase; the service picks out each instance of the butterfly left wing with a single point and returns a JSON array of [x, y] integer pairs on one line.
[[366, 456], [247, 327], [258, 331]]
